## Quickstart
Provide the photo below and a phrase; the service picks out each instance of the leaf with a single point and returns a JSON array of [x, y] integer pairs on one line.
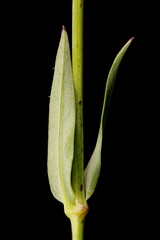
[[61, 125], [92, 171]]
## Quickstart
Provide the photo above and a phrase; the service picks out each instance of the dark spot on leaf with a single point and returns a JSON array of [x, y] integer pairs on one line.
[[81, 187], [80, 102]]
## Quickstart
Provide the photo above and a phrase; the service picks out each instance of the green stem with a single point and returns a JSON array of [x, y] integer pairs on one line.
[[77, 228], [77, 218], [77, 63]]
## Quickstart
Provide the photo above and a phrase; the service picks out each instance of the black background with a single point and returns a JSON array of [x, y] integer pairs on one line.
[[124, 201]]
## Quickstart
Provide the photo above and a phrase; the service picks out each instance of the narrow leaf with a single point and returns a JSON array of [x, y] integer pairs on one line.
[[92, 171], [61, 124]]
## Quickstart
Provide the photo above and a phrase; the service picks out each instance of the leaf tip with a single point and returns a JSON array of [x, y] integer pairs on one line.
[[131, 39], [63, 28]]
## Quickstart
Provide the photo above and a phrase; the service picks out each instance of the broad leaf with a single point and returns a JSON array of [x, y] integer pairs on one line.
[[61, 125], [92, 171]]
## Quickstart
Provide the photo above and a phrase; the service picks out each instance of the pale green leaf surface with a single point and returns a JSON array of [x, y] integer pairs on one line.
[[92, 171], [61, 125]]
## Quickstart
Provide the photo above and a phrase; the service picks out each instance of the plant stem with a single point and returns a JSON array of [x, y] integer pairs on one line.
[[77, 63], [77, 218], [77, 228]]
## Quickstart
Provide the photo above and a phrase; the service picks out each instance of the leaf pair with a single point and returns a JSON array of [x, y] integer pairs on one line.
[[62, 127]]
